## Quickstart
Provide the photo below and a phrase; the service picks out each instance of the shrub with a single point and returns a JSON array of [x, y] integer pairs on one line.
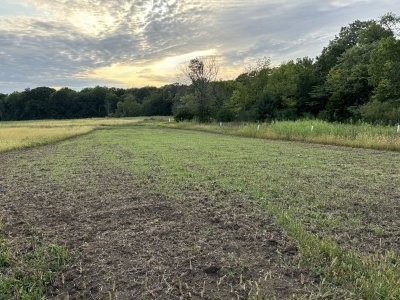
[[381, 112], [184, 114]]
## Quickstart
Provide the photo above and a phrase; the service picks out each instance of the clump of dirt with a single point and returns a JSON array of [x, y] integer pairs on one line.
[[129, 243]]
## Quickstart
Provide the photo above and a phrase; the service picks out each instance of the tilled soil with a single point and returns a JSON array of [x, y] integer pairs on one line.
[[127, 242]]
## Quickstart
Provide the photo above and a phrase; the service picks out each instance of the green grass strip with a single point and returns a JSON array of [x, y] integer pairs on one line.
[[369, 277], [361, 135]]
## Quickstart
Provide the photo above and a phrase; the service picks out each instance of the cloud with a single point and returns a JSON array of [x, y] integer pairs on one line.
[[126, 42], [156, 73], [344, 3]]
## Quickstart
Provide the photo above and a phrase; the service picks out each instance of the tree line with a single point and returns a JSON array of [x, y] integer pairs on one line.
[[65, 103], [356, 77]]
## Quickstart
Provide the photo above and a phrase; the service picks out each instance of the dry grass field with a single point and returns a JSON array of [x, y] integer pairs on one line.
[[22, 134]]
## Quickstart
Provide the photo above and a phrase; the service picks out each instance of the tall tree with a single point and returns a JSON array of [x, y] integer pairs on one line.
[[64, 104], [346, 39], [38, 103], [384, 69], [202, 71]]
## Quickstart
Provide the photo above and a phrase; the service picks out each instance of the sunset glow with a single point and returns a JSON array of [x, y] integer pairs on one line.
[[136, 43]]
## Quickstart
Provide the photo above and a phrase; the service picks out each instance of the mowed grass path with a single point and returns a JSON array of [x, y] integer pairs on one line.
[[340, 204]]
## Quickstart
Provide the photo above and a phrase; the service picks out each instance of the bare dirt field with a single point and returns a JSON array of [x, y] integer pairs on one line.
[[126, 242], [155, 213]]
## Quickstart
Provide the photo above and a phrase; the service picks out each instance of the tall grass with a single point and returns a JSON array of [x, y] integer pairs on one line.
[[97, 122], [12, 138], [22, 134], [314, 131]]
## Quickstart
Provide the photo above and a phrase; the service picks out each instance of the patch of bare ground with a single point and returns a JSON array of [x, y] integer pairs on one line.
[[127, 242]]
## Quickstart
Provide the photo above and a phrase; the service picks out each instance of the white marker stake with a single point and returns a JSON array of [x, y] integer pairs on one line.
[[312, 128], [220, 124], [258, 127], [169, 120], [398, 128]]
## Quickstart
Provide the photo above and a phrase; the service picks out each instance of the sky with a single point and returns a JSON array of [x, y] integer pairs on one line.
[[135, 43]]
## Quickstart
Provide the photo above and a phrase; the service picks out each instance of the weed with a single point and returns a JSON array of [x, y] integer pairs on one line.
[[28, 275]]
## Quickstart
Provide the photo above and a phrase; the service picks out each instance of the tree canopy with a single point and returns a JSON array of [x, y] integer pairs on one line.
[[356, 77]]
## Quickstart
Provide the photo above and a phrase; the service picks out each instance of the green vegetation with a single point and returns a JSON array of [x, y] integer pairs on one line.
[[338, 204], [48, 103], [330, 200], [361, 135], [356, 77], [27, 274], [22, 134]]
